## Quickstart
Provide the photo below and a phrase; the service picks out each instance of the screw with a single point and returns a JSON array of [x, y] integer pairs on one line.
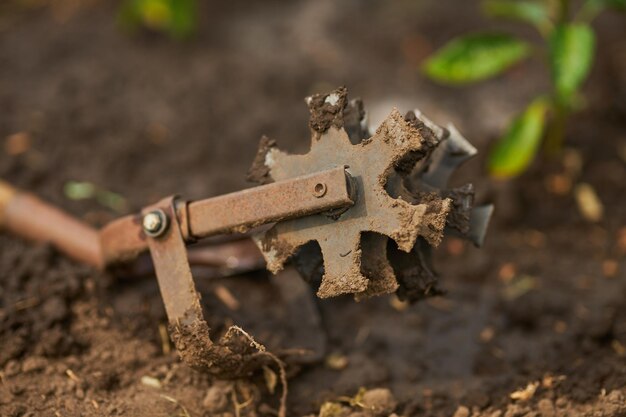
[[155, 223], [319, 190]]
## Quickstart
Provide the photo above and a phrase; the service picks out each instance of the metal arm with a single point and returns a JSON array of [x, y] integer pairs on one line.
[[168, 224], [123, 239], [164, 229]]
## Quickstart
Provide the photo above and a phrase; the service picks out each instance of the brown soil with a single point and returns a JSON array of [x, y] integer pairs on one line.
[[538, 312]]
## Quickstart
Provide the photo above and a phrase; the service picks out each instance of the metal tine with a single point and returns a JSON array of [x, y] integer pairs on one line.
[[448, 156], [478, 224], [479, 221], [439, 131]]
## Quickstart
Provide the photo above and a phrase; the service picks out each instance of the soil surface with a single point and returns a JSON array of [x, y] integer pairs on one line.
[[533, 324]]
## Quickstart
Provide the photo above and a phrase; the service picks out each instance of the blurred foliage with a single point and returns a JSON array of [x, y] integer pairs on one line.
[[176, 18], [568, 43], [84, 190], [571, 54], [475, 57], [518, 146]]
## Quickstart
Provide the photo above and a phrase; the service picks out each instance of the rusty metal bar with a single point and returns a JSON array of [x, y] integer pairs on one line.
[[301, 196], [229, 256], [208, 260], [123, 239], [228, 358], [169, 255], [31, 218]]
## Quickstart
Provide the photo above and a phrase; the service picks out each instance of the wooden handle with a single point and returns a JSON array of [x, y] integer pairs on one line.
[[25, 215]]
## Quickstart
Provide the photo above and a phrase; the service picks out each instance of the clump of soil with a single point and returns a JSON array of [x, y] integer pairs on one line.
[[35, 315]]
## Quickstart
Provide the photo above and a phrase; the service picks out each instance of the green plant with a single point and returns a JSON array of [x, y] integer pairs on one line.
[[177, 18], [568, 43]]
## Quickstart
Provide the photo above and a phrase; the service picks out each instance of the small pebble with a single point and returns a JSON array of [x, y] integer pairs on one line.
[[151, 382], [561, 402], [336, 361], [589, 203], [379, 402], [80, 394], [462, 411], [17, 143]]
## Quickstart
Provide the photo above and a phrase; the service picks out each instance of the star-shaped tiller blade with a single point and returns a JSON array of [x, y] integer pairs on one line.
[[376, 216]]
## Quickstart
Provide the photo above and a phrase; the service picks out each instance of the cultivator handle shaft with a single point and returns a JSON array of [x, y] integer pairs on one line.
[[124, 239], [26, 215]]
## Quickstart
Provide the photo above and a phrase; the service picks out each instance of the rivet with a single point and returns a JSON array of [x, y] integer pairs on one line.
[[319, 190], [155, 223]]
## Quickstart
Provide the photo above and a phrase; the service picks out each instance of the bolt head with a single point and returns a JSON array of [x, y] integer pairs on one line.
[[155, 223]]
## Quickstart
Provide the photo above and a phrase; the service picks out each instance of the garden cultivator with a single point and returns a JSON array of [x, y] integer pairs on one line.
[[359, 213]]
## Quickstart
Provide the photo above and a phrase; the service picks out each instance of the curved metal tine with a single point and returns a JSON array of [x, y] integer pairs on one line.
[[479, 221], [453, 152]]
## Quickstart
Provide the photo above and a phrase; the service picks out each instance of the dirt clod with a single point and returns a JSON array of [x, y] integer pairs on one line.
[[378, 402], [462, 411], [259, 172], [327, 110]]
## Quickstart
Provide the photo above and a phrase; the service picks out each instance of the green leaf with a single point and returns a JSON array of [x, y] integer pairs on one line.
[[516, 150], [526, 11], [475, 57], [174, 17], [571, 55]]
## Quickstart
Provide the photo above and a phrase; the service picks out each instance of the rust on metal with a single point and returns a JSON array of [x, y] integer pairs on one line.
[[229, 357], [122, 240], [169, 256], [294, 197]]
